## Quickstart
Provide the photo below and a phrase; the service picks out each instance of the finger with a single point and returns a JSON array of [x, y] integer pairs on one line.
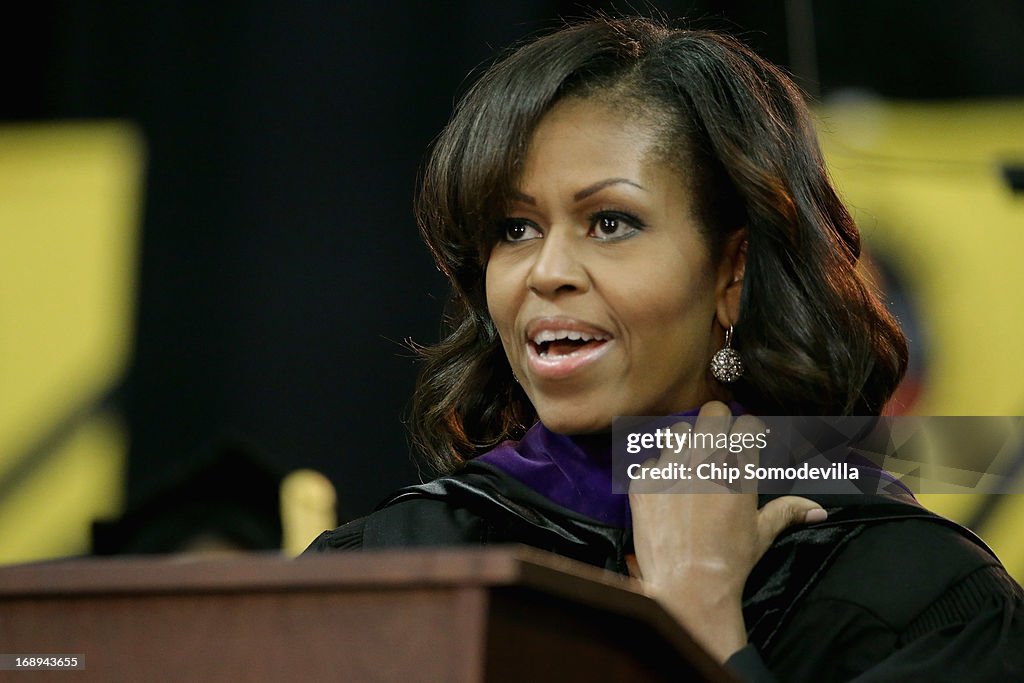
[[744, 450], [784, 512], [712, 420], [644, 484], [748, 427], [713, 416], [714, 409], [675, 452]]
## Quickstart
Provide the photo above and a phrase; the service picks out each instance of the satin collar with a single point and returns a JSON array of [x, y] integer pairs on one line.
[[572, 471]]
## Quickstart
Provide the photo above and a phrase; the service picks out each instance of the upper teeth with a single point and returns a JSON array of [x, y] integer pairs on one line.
[[555, 335]]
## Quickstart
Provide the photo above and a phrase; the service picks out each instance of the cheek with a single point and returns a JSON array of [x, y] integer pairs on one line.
[[500, 299], [671, 309]]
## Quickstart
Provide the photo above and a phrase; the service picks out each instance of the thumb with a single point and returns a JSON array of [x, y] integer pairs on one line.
[[786, 511]]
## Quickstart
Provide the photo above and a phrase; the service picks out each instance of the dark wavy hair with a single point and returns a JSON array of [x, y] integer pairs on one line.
[[814, 337]]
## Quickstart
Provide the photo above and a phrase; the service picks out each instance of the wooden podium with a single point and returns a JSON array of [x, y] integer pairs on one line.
[[452, 616]]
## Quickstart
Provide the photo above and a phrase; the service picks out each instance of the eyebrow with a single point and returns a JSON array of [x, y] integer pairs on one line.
[[585, 192]]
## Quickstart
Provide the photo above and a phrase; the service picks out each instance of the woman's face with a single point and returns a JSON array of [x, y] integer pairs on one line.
[[602, 287]]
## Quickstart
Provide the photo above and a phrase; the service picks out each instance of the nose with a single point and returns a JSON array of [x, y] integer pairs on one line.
[[557, 266]]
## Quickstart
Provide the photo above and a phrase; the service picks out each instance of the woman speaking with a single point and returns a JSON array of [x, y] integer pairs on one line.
[[637, 221]]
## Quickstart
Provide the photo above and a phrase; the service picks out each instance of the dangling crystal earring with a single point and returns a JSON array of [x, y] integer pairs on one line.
[[726, 364]]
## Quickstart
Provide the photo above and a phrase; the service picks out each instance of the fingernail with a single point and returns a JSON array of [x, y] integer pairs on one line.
[[815, 515]]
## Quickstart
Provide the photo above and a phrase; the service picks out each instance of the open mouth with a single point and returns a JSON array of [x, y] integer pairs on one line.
[[560, 348], [552, 344], [565, 347]]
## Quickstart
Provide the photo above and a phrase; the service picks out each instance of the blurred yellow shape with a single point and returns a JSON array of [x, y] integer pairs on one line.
[[50, 515], [308, 504], [925, 183], [69, 211]]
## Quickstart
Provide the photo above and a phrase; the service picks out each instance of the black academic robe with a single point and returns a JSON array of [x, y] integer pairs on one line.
[[883, 590]]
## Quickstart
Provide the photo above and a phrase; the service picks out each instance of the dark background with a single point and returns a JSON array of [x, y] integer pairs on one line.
[[281, 268]]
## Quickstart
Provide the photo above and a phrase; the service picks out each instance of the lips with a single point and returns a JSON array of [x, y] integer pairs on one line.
[[559, 347]]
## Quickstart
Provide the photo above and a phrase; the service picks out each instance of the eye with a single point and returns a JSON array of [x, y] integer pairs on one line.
[[614, 225], [518, 230]]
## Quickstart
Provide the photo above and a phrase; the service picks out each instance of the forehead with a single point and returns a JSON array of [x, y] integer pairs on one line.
[[590, 139]]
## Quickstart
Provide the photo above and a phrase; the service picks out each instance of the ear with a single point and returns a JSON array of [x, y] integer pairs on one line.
[[729, 282]]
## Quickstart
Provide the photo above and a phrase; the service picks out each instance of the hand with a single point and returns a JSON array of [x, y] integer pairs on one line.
[[694, 551]]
